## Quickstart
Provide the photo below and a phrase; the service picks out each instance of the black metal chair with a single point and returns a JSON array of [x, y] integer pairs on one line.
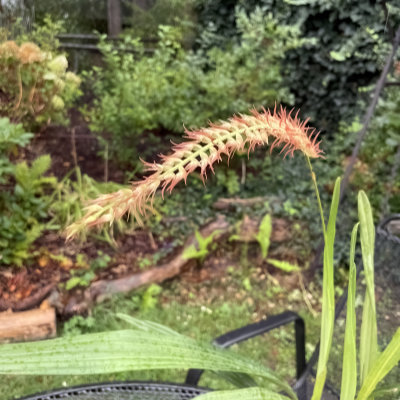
[[123, 391], [387, 254]]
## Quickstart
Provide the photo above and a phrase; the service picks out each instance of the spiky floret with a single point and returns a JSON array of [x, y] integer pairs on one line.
[[201, 150]]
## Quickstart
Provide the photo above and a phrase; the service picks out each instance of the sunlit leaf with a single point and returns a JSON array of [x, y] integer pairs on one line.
[[242, 394], [126, 350], [328, 297], [349, 372], [368, 334], [284, 265], [381, 367], [264, 234]]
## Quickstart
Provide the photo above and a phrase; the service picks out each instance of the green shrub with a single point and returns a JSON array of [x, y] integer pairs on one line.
[[35, 86], [136, 93], [349, 40], [23, 200], [145, 22]]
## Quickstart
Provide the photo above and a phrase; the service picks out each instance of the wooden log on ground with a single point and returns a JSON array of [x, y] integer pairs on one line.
[[29, 302], [102, 289], [27, 325], [224, 203]]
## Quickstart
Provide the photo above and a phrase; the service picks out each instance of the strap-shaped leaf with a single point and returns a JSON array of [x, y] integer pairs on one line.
[[349, 374], [381, 367], [284, 265], [125, 350], [242, 394], [264, 235], [328, 296], [236, 378], [148, 326], [368, 334]]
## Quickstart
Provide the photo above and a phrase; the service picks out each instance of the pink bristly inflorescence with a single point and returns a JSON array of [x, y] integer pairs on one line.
[[200, 151]]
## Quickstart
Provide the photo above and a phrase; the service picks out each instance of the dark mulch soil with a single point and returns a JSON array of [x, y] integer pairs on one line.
[[56, 261], [60, 141]]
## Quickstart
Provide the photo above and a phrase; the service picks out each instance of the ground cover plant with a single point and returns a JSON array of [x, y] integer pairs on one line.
[[22, 199], [152, 346]]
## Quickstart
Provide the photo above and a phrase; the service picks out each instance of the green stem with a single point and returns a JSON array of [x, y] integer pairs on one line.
[[314, 179]]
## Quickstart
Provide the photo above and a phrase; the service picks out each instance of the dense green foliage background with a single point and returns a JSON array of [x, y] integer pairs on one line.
[[208, 60], [348, 40]]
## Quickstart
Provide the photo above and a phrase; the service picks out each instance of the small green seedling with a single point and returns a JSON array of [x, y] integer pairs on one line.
[[263, 238], [264, 235], [200, 252]]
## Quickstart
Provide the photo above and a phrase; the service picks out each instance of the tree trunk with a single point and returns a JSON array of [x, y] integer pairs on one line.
[[114, 17]]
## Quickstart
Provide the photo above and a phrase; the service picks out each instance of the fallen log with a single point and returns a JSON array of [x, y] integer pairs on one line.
[[29, 302], [224, 203], [102, 289], [27, 325]]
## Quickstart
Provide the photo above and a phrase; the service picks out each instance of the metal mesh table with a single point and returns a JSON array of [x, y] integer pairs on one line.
[[123, 391]]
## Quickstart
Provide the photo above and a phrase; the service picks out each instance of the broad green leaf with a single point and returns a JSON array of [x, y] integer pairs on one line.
[[147, 326], [284, 265], [125, 350], [264, 234], [349, 374], [238, 379], [328, 296], [381, 367], [255, 393], [207, 240], [368, 334], [191, 252]]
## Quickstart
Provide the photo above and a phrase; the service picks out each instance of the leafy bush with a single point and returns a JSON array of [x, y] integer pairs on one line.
[[23, 203], [345, 53], [35, 86], [137, 93], [145, 22]]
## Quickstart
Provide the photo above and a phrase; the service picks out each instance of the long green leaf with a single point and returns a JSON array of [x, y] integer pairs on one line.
[[242, 394], [368, 334], [284, 266], [236, 378], [349, 374], [381, 367], [147, 326], [125, 350], [264, 235], [328, 296]]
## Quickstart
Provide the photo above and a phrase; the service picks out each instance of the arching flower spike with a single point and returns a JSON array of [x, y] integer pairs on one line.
[[201, 150]]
